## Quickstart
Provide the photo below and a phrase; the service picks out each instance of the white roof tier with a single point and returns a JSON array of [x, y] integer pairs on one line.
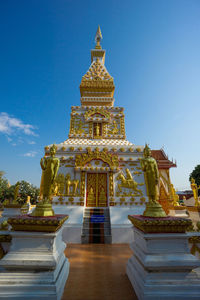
[[98, 142]]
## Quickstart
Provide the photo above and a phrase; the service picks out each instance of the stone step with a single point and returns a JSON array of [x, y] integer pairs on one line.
[[97, 232], [88, 221], [85, 239]]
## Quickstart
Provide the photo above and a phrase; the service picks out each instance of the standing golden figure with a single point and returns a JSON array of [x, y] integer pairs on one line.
[[50, 166], [150, 168], [195, 188]]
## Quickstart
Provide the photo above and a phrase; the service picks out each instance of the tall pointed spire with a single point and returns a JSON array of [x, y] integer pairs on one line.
[[97, 85], [98, 38]]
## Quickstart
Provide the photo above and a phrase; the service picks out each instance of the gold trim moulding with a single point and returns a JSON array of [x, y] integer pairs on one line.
[[179, 207], [14, 205], [42, 224], [160, 225]]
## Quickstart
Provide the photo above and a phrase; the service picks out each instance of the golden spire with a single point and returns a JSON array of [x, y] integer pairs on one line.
[[97, 86], [98, 38]]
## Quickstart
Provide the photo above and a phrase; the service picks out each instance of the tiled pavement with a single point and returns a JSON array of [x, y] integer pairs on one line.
[[98, 272]]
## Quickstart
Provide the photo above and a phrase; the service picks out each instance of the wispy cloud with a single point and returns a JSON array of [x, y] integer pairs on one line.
[[31, 142], [30, 154], [9, 125]]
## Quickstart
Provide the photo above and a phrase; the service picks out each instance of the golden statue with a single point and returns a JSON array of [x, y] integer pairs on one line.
[[150, 168], [97, 129], [175, 196], [195, 188], [50, 166], [91, 197], [102, 196]]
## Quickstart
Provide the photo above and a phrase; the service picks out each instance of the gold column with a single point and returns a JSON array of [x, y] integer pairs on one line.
[[82, 184], [90, 129], [103, 129], [122, 126], [97, 190], [111, 185]]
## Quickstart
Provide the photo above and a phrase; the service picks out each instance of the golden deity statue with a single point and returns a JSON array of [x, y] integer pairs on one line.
[[91, 197], [175, 196], [195, 188], [150, 168], [50, 166], [102, 196], [97, 129]]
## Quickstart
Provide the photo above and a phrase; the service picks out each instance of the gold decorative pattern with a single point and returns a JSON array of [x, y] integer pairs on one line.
[[97, 110], [122, 126], [96, 189], [43, 224], [109, 158], [114, 128], [83, 184], [128, 182], [72, 123], [97, 72], [111, 183], [156, 225], [71, 183]]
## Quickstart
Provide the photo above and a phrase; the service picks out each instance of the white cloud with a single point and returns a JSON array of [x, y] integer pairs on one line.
[[9, 124], [31, 143], [30, 154]]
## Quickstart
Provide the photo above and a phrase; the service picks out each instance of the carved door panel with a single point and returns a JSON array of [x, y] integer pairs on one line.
[[96, 190]]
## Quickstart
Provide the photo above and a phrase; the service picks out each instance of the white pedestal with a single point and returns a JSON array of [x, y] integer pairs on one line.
[[11, 212], [162, 267], [181, 213], [35, 267]]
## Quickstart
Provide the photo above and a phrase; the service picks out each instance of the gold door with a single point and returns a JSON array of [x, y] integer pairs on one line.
[[96, 190]]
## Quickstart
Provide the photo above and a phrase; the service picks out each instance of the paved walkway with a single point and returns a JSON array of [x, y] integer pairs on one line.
[[98, 272]]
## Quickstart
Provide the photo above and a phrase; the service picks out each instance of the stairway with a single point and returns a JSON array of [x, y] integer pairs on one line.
[[96, 227]]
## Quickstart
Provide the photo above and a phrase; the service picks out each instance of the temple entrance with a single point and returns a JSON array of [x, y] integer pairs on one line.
[[96, 194]]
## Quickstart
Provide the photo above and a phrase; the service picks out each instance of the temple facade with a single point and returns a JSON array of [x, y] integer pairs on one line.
[[100, 180]]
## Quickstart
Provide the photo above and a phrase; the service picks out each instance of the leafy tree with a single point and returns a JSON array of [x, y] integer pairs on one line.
[[4, 186], [196, 175], [27, 189]]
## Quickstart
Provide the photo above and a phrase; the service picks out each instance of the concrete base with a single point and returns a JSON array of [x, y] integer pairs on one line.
[[121, 227], [72, 233], [122, 234], [35, 267], [162, 267]]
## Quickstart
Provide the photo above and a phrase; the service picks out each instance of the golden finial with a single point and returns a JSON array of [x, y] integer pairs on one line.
[[98, 38]]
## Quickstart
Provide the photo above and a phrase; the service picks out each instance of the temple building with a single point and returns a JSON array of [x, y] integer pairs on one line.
[[100, 180]]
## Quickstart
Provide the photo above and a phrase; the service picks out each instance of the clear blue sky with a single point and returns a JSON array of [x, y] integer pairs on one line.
[[153, 53]]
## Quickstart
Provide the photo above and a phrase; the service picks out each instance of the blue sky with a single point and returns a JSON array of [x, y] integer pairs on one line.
[[152, 51]]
